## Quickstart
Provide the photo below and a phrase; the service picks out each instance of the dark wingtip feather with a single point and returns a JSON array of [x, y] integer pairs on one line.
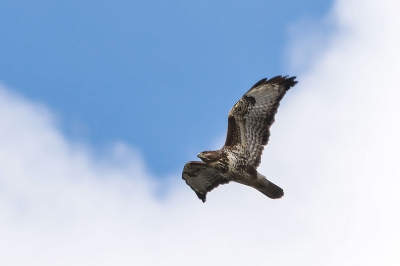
[[201, 196], [284, 81], [259, 83], [289, 82]]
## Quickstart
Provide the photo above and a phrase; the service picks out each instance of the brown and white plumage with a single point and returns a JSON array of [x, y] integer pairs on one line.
[[202, 178], [249, 122]]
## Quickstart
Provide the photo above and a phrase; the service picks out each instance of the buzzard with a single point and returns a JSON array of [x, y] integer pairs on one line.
[[248, 132]]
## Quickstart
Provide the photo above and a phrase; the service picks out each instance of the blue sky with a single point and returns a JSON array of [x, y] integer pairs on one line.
[[160, 76]]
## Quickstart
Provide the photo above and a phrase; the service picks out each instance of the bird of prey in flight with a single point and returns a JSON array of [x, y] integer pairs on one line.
[[249, 122]]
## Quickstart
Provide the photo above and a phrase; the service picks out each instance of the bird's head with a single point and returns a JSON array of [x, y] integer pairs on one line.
[[209, 156]]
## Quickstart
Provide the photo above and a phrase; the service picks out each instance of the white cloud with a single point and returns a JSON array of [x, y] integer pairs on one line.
[[334, 149]]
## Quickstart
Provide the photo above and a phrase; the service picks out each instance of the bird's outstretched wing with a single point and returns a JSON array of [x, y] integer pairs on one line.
[[251, 117], [202, 178]]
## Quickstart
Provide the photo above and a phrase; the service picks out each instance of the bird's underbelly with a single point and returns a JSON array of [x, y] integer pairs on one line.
[[237, 168]]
